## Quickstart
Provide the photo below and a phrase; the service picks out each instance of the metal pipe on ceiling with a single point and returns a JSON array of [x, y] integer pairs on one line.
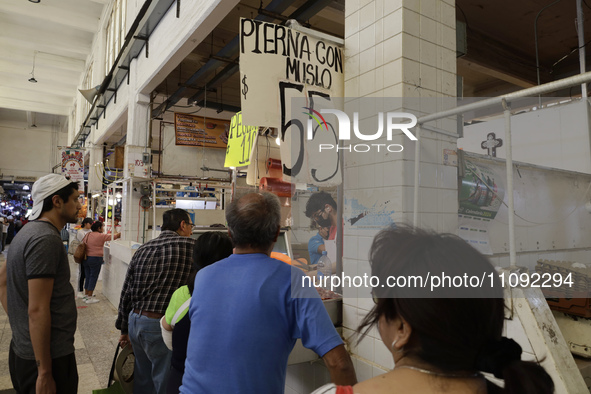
[[228, 52], [581, 36], [144, 24], [504, 102], [303, 13]]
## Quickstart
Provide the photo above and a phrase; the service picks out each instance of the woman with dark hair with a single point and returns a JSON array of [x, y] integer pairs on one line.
[[441, 344], [210, 247], [85, 228], [95, 241]]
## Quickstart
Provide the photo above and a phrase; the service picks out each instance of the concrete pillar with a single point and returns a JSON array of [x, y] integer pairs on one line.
[[403, 49], [138, 126], [95, 180]]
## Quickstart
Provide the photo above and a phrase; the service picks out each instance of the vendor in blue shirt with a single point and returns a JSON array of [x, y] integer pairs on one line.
[[316, 244], [248, 310]]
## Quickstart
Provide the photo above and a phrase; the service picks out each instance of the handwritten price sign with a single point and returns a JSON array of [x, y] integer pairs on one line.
[[240, 141]]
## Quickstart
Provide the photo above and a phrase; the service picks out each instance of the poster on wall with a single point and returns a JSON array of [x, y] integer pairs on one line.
[[241, 139], [480, 197], [278, 64], [474, 230], [482, 191], [73, 165], [193, 130]]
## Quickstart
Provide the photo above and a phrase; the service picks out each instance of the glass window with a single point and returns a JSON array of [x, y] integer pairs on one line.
[[115, 33]]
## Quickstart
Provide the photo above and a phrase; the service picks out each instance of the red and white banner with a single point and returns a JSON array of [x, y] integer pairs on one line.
[[73, 165]]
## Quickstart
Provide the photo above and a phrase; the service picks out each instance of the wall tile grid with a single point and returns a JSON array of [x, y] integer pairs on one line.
[[399, 48]]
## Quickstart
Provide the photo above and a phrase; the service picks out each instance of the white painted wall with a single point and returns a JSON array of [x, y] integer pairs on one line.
[[29, 151], [552, 221], [556, 137]]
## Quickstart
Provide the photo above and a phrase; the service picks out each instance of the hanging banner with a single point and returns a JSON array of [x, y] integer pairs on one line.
[[241, 139], [191, 130], [278, 64], [73, 165]]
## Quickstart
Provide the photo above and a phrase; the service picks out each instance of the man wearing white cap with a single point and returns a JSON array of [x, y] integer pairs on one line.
[[36, 293]]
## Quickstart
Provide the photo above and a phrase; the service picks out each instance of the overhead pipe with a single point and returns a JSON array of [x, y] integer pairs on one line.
[[415, 213], [529, 92], [510, 197], [310, 8], [536, 42], [305, 12], [228, 52], [581, 35], [504, 101], [143, 25]]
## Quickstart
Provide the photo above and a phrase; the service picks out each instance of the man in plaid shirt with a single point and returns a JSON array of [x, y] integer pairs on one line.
[[157, 269]]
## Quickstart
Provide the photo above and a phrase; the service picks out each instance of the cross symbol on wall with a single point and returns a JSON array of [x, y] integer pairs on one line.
[[491, 144]]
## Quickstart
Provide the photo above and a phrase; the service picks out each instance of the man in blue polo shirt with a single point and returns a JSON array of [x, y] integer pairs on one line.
[[248, 310]]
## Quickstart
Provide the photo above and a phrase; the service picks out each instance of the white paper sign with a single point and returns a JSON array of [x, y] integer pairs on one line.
[[279, 64]]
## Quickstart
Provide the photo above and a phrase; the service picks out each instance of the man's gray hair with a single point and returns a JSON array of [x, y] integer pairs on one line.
[[253, 219]]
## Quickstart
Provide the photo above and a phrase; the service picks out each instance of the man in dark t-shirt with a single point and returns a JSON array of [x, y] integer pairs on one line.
[[36, 293]]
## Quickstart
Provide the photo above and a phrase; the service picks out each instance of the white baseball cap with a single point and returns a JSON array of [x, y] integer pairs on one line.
[[43, 188]]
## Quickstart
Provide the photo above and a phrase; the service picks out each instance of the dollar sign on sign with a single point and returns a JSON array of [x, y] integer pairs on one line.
[[244, 87]]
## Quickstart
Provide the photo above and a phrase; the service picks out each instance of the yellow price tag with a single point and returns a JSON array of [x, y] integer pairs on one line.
[[240, 141]]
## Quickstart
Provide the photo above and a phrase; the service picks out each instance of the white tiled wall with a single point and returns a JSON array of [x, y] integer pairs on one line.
[[393, 48], [412, 54]]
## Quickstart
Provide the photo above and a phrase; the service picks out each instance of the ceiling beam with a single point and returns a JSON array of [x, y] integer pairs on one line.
[[27, 95], [42, 74], [24, 56], [48, 87], [499, 60], [37, 106], [58, 42], [47, 13]]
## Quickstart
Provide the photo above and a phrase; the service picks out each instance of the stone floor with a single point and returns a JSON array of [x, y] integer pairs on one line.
[[95, 340]]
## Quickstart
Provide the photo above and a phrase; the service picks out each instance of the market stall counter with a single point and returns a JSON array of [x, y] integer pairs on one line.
[[118, 255]]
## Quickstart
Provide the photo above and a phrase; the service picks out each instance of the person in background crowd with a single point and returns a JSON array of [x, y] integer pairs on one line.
[[210, 247], [4, 228], [18, 224], [316, 244], [248, 310], [36, 293], [157, 269], [440, 345], [84, 229], [322, 209], [95, 241], [10, 234]]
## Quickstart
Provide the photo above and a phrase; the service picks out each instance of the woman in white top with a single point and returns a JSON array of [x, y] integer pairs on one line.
[[84, 229]]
